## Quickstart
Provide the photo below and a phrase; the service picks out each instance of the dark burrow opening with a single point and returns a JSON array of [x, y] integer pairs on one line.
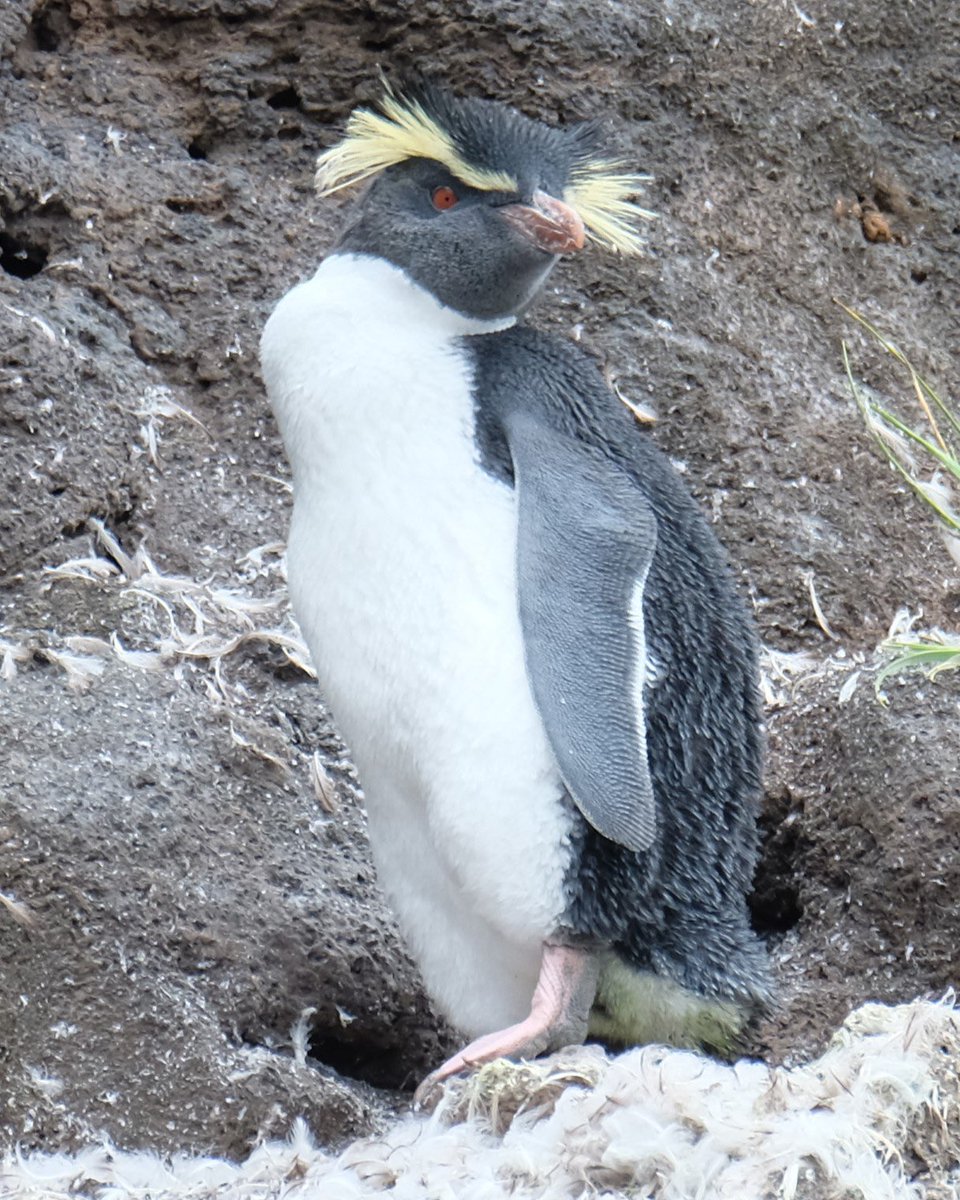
[[52, 26], [775, 903], [287, 98], [20, 257], [380, 1066]]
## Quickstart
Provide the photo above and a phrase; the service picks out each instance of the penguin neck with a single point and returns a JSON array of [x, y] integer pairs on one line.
[[386, 293], [358, 346]]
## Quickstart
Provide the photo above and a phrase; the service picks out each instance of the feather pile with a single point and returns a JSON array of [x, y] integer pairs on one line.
[[876, 1116]]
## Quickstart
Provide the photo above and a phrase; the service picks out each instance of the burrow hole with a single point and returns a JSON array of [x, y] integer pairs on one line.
[[20, 257]]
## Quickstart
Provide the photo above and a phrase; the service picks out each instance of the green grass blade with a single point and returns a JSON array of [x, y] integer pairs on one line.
[[879, 419], [946, 460], [872, 413], [932, 654]]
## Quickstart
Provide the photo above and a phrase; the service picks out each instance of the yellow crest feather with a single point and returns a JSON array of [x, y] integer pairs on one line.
[[601, 194], [401, 130]]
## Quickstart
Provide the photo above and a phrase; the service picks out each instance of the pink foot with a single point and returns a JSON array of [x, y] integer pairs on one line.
[[559, 1014]]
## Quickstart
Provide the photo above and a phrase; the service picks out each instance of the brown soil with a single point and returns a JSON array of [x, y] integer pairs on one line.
[[191, 895]]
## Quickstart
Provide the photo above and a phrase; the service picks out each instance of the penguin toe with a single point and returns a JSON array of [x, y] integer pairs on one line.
[[559, 1016]]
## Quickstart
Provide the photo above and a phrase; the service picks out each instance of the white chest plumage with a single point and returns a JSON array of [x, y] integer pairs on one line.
[[402, 566]]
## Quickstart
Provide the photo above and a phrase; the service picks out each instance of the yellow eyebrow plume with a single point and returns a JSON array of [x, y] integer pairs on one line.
[[402, 129], [602, 194]]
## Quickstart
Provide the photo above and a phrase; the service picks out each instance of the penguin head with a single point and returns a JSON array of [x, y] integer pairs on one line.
[[473, 200]]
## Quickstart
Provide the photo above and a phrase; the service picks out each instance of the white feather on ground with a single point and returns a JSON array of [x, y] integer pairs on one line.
[[876, 1116]]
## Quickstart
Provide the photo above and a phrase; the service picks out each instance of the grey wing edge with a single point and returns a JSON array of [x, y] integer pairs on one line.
[[586, 539]]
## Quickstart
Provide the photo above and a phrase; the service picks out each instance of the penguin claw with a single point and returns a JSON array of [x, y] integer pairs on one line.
[[525, 1040], [429, 1093], [559, 1014]]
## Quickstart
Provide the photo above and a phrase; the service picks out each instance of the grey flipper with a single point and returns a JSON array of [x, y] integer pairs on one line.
[[585, 543]]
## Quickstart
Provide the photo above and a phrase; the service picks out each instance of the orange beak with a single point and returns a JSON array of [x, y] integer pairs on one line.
[[549, 224]]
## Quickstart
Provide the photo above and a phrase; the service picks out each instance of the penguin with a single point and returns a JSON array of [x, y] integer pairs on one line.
[[524, 627]]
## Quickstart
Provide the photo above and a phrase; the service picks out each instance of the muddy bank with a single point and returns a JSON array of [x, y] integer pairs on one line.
[[192, 894]]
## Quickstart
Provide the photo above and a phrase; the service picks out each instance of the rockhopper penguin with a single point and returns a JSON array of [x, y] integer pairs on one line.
[[525, 629]]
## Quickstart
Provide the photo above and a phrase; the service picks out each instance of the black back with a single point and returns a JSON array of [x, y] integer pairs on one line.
[[678, 908]]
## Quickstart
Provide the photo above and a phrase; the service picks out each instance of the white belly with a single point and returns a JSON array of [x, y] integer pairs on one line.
[[402, 566]]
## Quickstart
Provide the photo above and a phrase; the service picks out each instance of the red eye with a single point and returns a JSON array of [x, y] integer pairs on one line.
[[444, 198]]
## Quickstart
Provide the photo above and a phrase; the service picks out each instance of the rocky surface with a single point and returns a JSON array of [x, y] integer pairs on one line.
[[191, 894]]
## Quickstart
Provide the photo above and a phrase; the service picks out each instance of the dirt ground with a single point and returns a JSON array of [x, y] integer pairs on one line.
[[161, 817]]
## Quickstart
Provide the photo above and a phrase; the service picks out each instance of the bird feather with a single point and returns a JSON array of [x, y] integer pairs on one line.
[[602, 195], [600, 190], [403, 129]]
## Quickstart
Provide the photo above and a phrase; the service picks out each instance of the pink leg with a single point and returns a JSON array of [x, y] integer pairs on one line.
[[559, 1015]]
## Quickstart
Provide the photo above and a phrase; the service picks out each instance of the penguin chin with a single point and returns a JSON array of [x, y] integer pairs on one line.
[[504, 304], [535, 292], [536, 287]]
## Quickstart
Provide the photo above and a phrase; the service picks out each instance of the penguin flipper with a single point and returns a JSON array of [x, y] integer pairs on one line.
[[586, 540]]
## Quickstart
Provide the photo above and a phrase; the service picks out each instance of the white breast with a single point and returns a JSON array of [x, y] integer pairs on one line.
[[402, 566]]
